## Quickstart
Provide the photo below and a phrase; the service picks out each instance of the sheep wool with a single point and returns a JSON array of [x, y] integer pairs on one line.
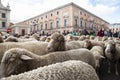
[[69, 70]]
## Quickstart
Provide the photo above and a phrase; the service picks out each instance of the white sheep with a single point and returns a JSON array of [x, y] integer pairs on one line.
[[36, 36], [58, 43], [11, 39], [36, 47], [90, 43], [69, 70], [43, 38], [24, 60], [98, 53], [112, 52]]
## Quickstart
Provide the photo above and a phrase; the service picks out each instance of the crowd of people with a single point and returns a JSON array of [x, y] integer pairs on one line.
[[100, 33]]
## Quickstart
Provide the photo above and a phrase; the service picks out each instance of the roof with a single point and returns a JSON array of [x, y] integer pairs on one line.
[[63, 7]]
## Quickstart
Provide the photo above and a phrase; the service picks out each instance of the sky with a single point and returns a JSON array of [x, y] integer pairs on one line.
[[21, 10]]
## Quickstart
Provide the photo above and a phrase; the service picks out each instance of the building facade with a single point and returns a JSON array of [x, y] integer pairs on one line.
[[69, 17], [115, 27], [4, 17]]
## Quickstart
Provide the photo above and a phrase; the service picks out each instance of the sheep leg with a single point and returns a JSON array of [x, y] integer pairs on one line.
[[116, 68], [109, 71]]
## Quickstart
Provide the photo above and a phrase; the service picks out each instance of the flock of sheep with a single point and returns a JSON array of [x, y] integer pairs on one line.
[[56, 57]]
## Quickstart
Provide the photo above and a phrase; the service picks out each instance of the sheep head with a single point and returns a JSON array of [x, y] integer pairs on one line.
[[14, 61], [110, 50], [98, 58], [36, 36], [57, 43], [87, 44]]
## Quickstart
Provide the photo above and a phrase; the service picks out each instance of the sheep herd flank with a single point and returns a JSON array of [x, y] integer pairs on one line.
[[57, 57]]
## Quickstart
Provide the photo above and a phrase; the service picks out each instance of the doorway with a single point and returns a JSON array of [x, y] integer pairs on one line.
[[23, 32]]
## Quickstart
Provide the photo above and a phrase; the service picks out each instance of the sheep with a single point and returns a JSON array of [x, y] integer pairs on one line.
[[58, 43], [43, 38], [69, 37], [87, 36], [98, 38], [68, 70], [104, 38], [26, 39], [36, 47], [1, 39], [92, 37], [35, 36], [26, 36], [90, 43], [11, 39], [82, 37], [98, 53], [112, 53], [48, 39], [24, 60]]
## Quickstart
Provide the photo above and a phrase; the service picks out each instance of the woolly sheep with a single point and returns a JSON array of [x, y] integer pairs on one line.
[[26, 39], [97, 51], [58, 43], [48, 39], [92, 37], [24, 60], [112, 52], [36, 47], [1, 39], [90, 43], [104, 38], [43, 38], [82, 37], [11, 39], [68, 70], [36, 36]]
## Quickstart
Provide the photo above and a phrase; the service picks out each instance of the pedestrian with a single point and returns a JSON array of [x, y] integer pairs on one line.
[[100, 33]]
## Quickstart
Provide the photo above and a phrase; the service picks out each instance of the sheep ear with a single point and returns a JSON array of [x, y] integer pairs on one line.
[[25, 57]]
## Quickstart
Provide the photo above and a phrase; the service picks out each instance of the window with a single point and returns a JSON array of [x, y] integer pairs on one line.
[[3, 15], [80, 12], [3, 24], [75, 22], [51, 25], [57, 13], [51, 14], [46, 26], [65, 22], [57, 24], [85, 24], [81, 23]]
